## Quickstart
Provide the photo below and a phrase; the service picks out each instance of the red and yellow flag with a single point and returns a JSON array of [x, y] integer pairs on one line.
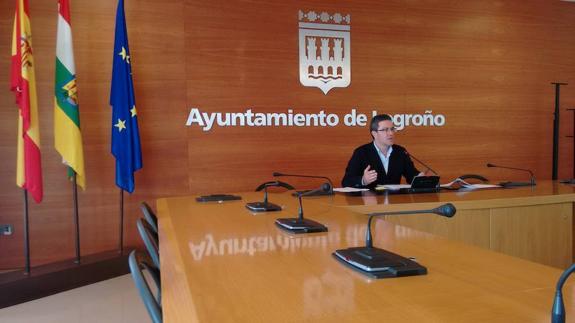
[[29, 168]]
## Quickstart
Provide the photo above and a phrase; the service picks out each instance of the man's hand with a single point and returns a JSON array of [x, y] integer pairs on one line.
[[369, 175]]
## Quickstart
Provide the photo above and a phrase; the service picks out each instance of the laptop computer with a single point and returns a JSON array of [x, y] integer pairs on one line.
[[423, 184]]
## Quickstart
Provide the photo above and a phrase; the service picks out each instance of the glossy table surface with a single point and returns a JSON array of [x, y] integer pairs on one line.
[[221, 263], [545, 192]]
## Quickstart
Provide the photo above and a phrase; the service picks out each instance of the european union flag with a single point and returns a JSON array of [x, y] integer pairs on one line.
[[125, 134]]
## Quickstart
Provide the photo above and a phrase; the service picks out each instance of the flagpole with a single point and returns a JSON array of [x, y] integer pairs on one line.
[[76, 219], [121, 222], [26, 236], [125, 135]]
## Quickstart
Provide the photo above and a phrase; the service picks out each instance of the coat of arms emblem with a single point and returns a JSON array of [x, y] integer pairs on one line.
[[324, 50]]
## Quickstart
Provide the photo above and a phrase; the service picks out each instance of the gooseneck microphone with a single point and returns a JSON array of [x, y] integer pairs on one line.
[[558, 310], [379, 263], [419, 161], [325, 187], [330, 192], [511, 184], [446, 210], [300, 224]]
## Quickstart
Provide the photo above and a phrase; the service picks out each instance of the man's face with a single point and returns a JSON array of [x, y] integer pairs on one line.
[[385, 133]]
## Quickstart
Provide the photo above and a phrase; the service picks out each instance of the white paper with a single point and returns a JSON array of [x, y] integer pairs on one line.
[[392, 187], [349, 189], [476, 186], [467, 186]]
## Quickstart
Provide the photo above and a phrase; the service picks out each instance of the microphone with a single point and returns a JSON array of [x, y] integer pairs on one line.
[[300, 224], [380, 263], [419, 161], [512, 184], [330, 192], [324, 188], [558, 310], [446, 210], [265, 206]]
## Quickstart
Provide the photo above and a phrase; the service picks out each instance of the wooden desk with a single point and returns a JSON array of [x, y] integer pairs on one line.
[[534, 223], [220, 263]]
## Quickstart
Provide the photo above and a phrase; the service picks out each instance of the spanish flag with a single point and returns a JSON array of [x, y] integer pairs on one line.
[[23, 84], [67, 135]]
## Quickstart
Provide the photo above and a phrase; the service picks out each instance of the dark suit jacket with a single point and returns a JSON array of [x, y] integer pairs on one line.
[[399, 165]]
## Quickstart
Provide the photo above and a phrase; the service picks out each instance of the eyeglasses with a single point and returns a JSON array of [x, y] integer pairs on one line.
[[392, 129]]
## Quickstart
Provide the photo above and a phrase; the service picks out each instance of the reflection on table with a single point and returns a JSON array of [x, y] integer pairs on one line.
[[221, 263]]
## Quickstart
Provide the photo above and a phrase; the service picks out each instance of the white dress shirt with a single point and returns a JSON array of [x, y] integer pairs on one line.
[[384, 159]]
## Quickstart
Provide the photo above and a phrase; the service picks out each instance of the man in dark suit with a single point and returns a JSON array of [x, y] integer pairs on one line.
[[380, 161]]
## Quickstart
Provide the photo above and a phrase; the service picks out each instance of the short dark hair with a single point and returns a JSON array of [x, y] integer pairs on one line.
[[377, 119]]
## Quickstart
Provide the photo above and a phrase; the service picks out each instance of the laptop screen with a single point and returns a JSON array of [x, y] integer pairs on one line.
[[425, 182]]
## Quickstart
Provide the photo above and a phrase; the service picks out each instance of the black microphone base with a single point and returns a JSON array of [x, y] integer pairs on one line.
[[318, 193], [262, 207], [516, 184], [295, 225], [378, 263]]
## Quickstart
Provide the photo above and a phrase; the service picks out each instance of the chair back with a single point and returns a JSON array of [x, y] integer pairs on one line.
[[274, 183], [150, 216], [153, 306], [150, 239]]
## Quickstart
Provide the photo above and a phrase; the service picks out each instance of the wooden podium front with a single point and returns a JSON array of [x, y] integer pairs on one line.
[[533, 223]]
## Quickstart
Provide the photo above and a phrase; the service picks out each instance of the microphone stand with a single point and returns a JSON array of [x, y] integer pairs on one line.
[[300, 224], [516, 184], [380, 263], [558, 310], [318, 192], [555, 165], [419, 161], [572, 180]]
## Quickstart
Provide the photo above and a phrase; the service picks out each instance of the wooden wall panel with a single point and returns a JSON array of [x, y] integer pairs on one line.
[[157, 61], [486, 66]]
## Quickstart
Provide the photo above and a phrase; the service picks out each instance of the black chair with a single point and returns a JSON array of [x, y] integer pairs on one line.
[[150, 239], [152, 304], [274, 183], [150, 216]]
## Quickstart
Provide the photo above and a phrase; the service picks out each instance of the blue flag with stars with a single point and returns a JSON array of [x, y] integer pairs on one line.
[[125, 135]]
